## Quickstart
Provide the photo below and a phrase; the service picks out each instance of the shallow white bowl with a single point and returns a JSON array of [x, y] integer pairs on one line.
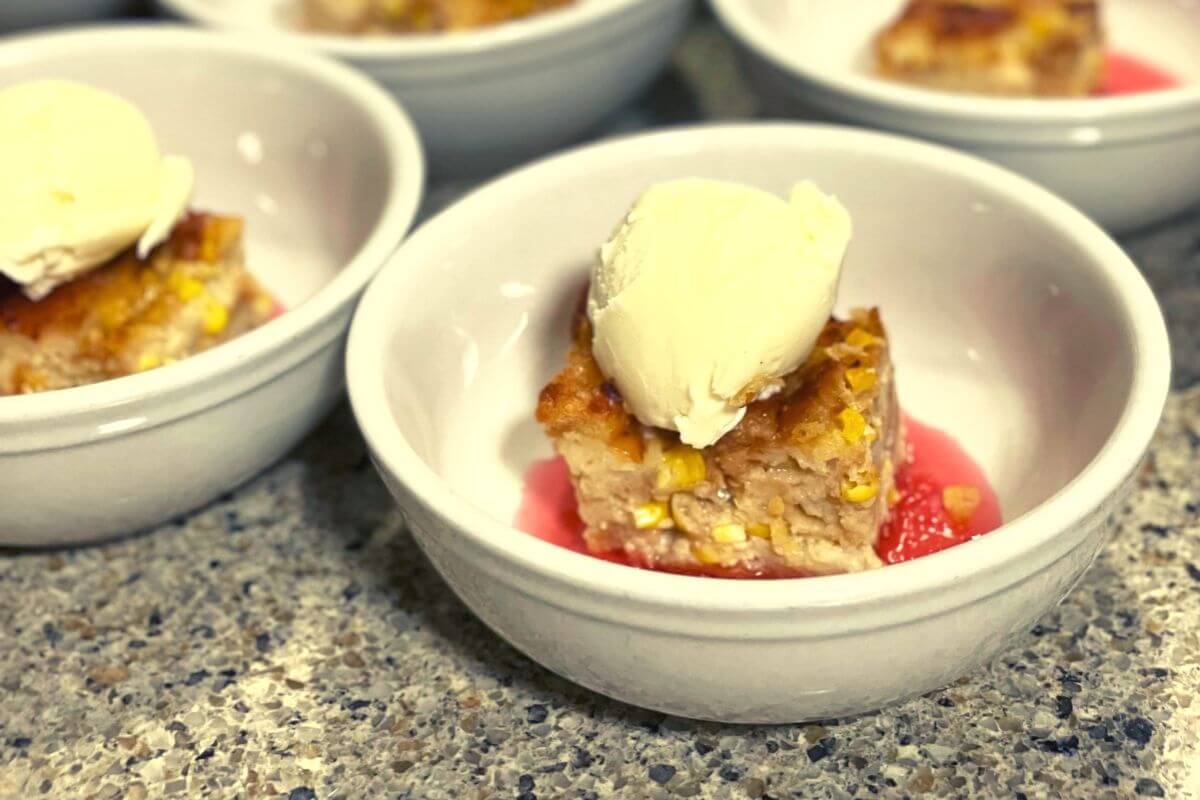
[[1018, 326], [491, 98], [1128, 161], [16, 14], [326, 170]]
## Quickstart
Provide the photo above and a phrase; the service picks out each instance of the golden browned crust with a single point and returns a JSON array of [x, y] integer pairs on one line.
[[580, 400], [1005, 47], [418, 16], [132, 314], [798, 487]]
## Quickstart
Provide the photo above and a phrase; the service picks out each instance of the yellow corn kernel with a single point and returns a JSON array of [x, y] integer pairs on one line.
[[853, 424], [729, 533], [759, 530], [1042, 22], [776, 506], [861, 379], [860, 338], [650, 515], [706, 553], [216, 317], [960, 502], [893, 496], [861, 488], [148, 361], [112, 314], [682, 468], [185, 287]]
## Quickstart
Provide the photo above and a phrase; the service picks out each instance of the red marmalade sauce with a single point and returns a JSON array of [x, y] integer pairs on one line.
[[919, 523], [1125, 74]]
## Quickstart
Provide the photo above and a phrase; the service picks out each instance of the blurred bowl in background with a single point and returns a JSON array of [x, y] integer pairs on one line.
[[327, 172], [490, 98], [1127, 160]]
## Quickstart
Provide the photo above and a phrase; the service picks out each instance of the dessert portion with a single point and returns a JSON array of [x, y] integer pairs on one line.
[[417, 16], [103, 272], [1035, 48], [133, 314], [714, 418]]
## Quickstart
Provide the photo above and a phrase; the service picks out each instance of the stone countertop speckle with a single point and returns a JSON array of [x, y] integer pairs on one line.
[[290, 641]]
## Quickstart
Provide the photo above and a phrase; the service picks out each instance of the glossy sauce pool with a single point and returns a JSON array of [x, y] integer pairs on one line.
[[919, 523], [1126, 74]]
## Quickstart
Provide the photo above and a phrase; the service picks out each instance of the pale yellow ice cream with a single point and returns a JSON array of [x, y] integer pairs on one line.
[[710, 291], [81, 179]]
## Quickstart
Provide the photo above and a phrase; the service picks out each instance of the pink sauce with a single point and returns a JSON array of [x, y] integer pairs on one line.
[[1125, 74], [919, 524]]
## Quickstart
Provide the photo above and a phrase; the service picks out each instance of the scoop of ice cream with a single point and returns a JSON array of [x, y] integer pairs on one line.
[[708, 293], [81, 179]]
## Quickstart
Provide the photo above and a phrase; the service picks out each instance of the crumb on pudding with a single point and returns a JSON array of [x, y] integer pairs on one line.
[[1040, 48]]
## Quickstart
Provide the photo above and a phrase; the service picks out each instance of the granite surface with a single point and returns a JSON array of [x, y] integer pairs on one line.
[[291, 642]]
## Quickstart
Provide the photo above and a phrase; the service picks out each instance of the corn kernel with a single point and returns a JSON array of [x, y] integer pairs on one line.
[[112, 314], [960, 502], [729, 533], [1042, 22], [650, 515], [185, 287], [860, 338], [706, 554], [776, 506], [893, 496], [148, 361], [216, 317], [861, 379], [862, 488], [853, 425], [759, 530], [682, 468]]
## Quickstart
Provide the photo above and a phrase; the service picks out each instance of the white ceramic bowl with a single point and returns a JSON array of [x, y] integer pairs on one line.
[[327, 172], [498, 96], [1018, 326], [1127, 161], [16, 14]]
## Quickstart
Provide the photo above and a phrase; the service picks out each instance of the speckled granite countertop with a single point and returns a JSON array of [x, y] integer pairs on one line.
[[291, 642]]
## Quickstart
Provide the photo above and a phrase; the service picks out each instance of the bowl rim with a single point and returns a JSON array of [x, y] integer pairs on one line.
[[406, 165], [522, 32], [371, 335], [739, 19]]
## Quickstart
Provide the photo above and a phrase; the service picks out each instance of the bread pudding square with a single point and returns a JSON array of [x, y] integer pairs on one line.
[[131, 315], [418, 16], [799, 487], [1037, 48]]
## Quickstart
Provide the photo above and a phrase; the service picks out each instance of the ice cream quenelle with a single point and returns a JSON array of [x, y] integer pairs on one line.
[[81, 179], [708, 293]]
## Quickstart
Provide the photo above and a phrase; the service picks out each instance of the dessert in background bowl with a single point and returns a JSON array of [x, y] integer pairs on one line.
[[996, 297], [108, 273], [1098, 101], [316, 175], [418, 16], [491, 96]]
